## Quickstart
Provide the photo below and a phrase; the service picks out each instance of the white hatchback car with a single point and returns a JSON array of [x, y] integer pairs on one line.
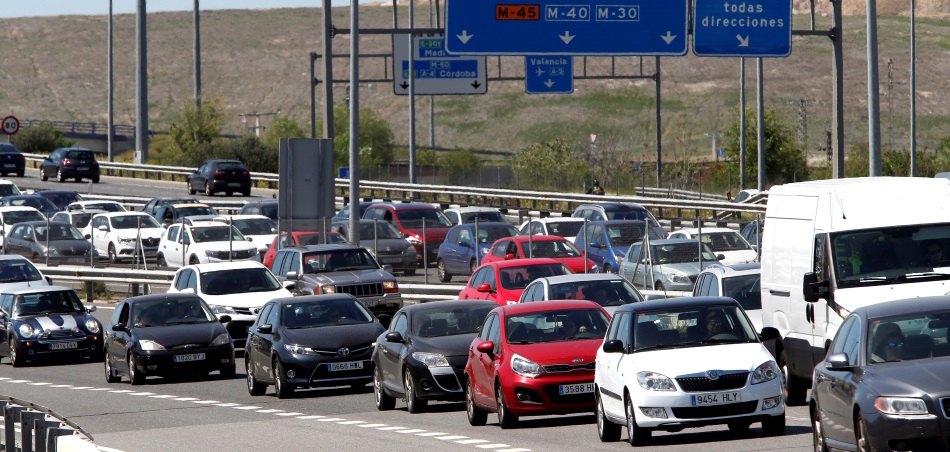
[[685, 362], [115, 234], [258, 229], [11, 215], [725, 241], [108, 206], [203, 242], [567, 227]]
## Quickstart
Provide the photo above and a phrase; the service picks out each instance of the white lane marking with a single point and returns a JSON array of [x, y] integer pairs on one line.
[[56, 386], [40, 384], [81, 387], [206, 402], [371, 425], [288, 414], [108, 449], [514, 450], [119, 391], [22, 381], [331, 419], [451, 437], [312, 417], [415, 430], [472, 441], [246, 407], [162, 397], [269, 411], [136, 393], [432, 434], [225, 404], [4, 378], [492, 446], [798, 419], [386, 429], [351, 422], [100, 389], [185, 399]]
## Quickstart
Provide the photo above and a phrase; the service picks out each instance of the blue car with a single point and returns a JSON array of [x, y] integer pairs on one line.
[[618, 211], [458, 254], [607, 242]]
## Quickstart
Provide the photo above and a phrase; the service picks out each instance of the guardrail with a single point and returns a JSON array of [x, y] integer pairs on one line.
[[41, 429]]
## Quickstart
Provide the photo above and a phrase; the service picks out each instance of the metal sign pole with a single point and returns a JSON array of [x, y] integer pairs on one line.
[[47, 241], [230, 239], [425, 253]]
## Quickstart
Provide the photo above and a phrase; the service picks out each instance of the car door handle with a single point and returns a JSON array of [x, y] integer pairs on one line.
[[780, 293]]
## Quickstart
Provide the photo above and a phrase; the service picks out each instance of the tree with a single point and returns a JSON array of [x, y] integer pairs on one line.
[[194, 130], [376, 138], [251, 150], [40, 139], [552, 159], [459, 164], [281, 127], [784, 157]]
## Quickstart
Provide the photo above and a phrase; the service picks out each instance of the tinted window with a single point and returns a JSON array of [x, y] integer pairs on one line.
[[47, 302], [241, 280], [315, 315], [487, 326], [400, 325], [133, 222], [18, 271], [413, 218], [744, 289], [265, 312], [80, 155], [182, 280], [556, 326]]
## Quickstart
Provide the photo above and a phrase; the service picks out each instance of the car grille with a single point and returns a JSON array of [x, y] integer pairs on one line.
[[556, 397], [242, 254], [150, 242], [729, 409], [72, 251], [945, 404], [702, 384], [247, 311], [186, 346], [569, 367], [362, 290], [59, 334], [355, 351]]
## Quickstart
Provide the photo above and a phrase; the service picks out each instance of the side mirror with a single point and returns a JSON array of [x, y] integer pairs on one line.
[[289, 285], [769, 334], [28, 238], [190, 290], [91, 308], [103, 228], [249, 239], [509, 256], [292, 276], [49, 280], [465, 243], [265, 329], [484, 288], [720, 257], [596, 245], [838, 361], [224, 319], [87, 236], [187, 241], [613, 346], [394, 337], [486, 347], [388, 268], [812, 289], [119, 327]]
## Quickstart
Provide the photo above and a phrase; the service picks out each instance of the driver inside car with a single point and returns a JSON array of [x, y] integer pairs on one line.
[[715, 323]]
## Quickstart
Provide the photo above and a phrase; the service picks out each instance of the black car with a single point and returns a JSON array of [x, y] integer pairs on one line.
[[66, 163], [166, 335], [310, 341], [60, 198], [883, 384], [47, 322], [11, 160], [266, 207], [215, 176], [173, 213], [153, 204], [35, 201], [423, 354]]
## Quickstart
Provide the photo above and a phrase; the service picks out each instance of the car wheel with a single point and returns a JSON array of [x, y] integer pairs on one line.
[[36, 257], [95, 179], [113, 257], [283, 389], [384, 402], [505, 419], [817, 431], [739, 428], [774, 426], [659, 286], [77, 179], [246, 193], [861, 434], [135, 377], [444, 276], [194, 260], [208, 190], [20, 173], [254, 387], [409, 272], [111, 377], [228, 373], [606, 430], [60, 176], [15, 359], [476, 416], [191, 190], [794, 386], [161, 261], [43, 176], [636, 435], [608, 268], [413, 403], [472, 266]]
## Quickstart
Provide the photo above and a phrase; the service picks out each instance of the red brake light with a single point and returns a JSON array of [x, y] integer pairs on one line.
[[67, 162], [219, 174], [247, 174], [20, 158]]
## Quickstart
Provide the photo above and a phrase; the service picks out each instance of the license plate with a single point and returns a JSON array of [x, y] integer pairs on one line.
[[390, 260], [234, 184], [715, 399], [9, 165], [354, 365], [582, 388], [63, 345], [83, 168], [189, 357]]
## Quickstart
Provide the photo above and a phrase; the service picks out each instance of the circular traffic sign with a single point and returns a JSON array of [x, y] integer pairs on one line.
[[11, 125]]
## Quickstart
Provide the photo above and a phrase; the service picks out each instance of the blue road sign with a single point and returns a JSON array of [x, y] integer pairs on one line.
[[344, 172], [566, 27], [753, 28], [436, 72], [549, 74], [721, 153]]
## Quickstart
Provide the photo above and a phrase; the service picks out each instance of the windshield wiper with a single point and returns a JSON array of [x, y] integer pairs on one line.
[[874, 278], [344, 269], [922, 275]]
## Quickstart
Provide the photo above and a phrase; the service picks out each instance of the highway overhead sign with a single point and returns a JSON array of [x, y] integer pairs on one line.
[[756, 28], [436, 72], [566, 27], [549, 74], [11, 125]]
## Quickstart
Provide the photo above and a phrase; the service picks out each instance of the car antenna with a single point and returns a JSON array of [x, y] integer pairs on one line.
[[841, 205]]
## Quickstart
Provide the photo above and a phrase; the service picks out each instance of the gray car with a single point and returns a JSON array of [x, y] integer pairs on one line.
[[31, 239], [606, 289], [669, 264], [393, 249]]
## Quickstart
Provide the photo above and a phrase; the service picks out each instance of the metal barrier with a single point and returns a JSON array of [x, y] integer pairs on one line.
[[40, 428]]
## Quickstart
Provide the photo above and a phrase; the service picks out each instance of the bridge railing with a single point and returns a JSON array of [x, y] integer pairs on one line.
[[41, 429]]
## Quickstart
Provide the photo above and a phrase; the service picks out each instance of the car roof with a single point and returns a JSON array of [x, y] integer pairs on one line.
[[580, 277], [692, 231], [483, 224], [468, 209], [522, 262], [550, 219], [218, 266], [13, 257], [908, 306], [407, 206], [6, 182], [43, 223], [78, 211], [326, 247], [24, 196], [315, 298], [753, 268], [448, 305], [241, 217], [56, 192], [119, 214], [36, 289], [657, 242], [610, 222], [16, 208], [263, 201], [614, 206], [541, 306], [162, 296], [224, 161], [190, 204], [676, 303], [533, 238]]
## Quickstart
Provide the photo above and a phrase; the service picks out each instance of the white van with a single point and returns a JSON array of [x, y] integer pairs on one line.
[[832, 246]]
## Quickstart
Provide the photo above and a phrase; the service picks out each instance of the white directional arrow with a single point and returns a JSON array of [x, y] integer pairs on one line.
[[743, 42], [540, 72], [464, 37], [566, 37], [669, 37], [549, 83]]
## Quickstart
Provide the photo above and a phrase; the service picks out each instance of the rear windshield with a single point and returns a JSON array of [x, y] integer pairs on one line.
[[20, 216], [8, 190], [134, 222], [519, 277], [413, 218], [80, 155], [497, 217], [230, 166], [565, 228], [194, 210]]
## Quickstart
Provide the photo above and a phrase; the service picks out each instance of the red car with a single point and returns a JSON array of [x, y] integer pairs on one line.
[[534, 359], [299, 238], [503, 281], [555, 247], [408, 218]]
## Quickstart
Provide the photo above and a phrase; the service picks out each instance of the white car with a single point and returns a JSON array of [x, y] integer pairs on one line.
[[108, 206], [567, 227], [725, 241], [685, 362], [236, 289], [203, 242], [115, 234], [258, 229], [11, 215], [17, 272], [8, 188], [461, 215]]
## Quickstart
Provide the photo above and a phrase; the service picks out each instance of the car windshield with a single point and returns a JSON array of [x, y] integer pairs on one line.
[[256, 226], [895, 255], [80, 155], [133, 222], [269, 210], [413, 218], [550, 248], [171, 312], [604, 293], [80, 220], [691, 326], [107, 206], [58, 232], [744, 289], [556, 326], [19, 216], [187, 211], [311, 314], [519, 277], [384, 230], [908, 337], [565, 228], [626, 234], [436, 321], [204, 234], [680, 252], [641, 215], [725, 241], [8, 190], [239, 280], [61, 200], [12, 271], [488, 234], [60, 302], [338, 261], [37, 202], [497, 217]]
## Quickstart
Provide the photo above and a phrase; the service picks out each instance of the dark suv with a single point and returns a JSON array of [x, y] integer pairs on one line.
[[11, 160], [65, 163], [213, 176]]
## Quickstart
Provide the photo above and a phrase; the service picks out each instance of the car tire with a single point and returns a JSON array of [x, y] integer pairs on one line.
[[191, 190], [161, 261], [246, 193], [409, 272], [606, 430], [36, 257], [97, 356], [608, 268], [20, 173], [111, 377], [113, 256], [208, 190], [636, 435], [194, 260], [228, 373], [413, 403], [77, 179], [15, 359], [60, 176], [444, 275], [43, 176], [774, 426], [506, 419], [95, 179], [284, 391], [229, 193], [861, 434], [135, 378], [817, 432], [384, 402], [794, 386], [476, 416], [472, 266], [739, 428], [254, 387]]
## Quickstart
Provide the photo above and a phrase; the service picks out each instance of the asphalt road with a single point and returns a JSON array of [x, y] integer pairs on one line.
[[215, 415]]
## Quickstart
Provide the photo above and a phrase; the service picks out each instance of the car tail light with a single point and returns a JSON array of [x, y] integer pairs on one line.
[[219, 174], [67, 162], [20, 158], [246, 174]]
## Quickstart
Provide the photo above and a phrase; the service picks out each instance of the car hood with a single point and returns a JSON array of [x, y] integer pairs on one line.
[[334, 337], [56, 322], [690, 360], [175, 335], [246, 300], [620, 250], [350, 277], [433, 233], [147, 233], [67, 244], [685, 268], [236, 245], [737, 257], [908, 378], [23, 284], [262, 241], [387, 246], [448, 346], [563, 352], [576, 264]]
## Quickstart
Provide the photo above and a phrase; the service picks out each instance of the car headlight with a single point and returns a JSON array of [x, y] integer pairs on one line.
[[299, 349], [26, 330], [92, 326], [431, 359], [328, 289], [52, 251], [390, 287], [414, 240], [223, 338], [254, 252], [525, 367], [844, 313], [215, 254], [484, 251], [900, 405], [767, 371], [221, 309], [150, 345], [677, 278], [126, 240], [655, 382]]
